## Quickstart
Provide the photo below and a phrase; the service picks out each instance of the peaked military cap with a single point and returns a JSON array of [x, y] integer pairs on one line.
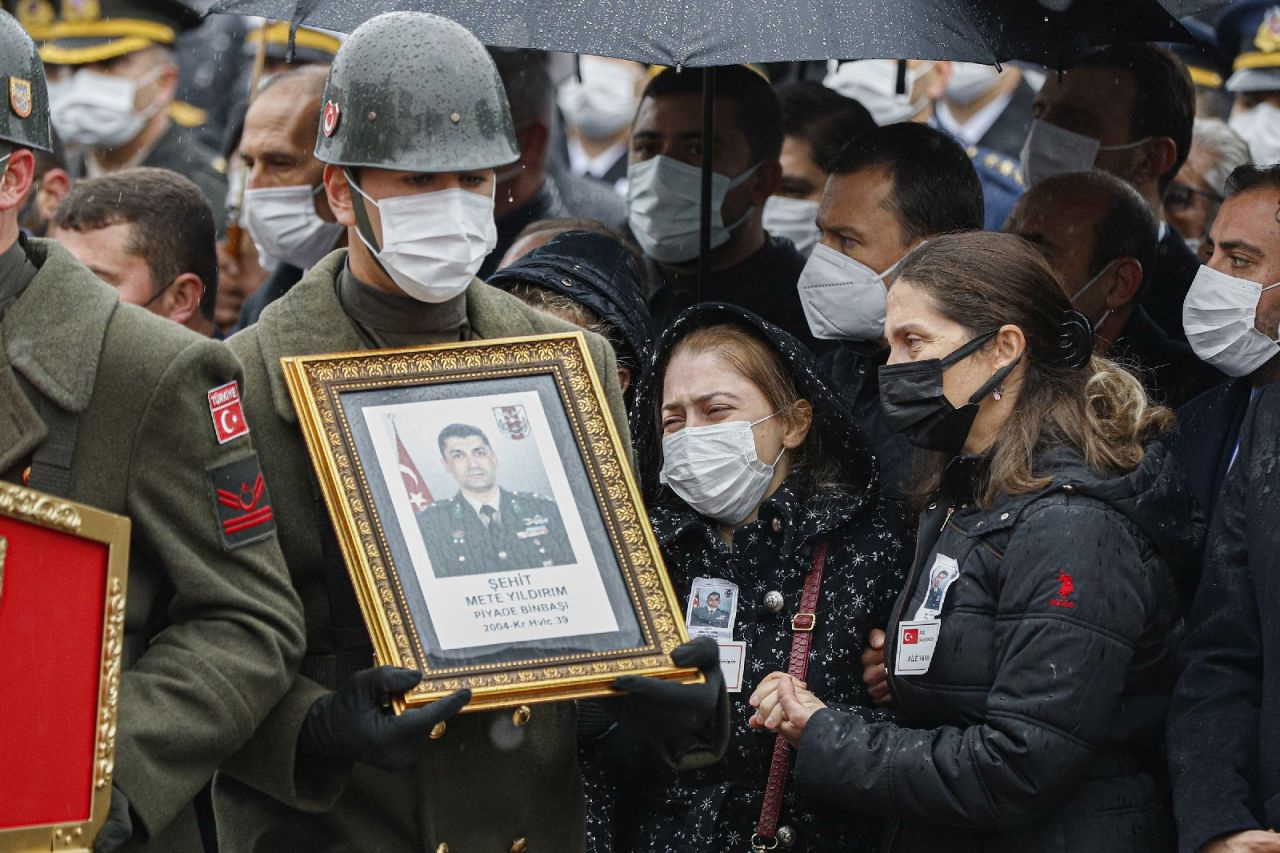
[[309, 44], [1203, 58], [1251, 31], [87, 31]]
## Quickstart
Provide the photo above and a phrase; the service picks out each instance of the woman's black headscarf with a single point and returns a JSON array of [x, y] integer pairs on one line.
[[832, 418]]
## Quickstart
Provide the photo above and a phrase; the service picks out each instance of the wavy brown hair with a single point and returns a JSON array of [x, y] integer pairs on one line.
[[984, 280]]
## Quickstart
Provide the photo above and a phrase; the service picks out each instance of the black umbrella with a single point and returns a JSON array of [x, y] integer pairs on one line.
[[727, 32], [707, 33]]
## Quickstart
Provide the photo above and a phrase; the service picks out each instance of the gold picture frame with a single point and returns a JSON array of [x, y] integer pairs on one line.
[[64, 565], [555, 593]]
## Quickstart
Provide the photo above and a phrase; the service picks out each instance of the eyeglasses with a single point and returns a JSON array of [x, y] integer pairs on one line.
[[1180, 196]]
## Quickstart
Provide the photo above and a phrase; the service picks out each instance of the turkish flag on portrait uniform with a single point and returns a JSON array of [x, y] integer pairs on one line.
[[419, 495]]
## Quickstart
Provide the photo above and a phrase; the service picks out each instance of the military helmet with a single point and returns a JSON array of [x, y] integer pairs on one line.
[[24, 121], [415, 92]]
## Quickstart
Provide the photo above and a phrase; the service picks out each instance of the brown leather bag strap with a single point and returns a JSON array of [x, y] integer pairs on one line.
[[802, 625]]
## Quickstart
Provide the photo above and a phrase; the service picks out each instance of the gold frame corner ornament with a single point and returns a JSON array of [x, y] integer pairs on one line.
[[315, 384], [113, 531]]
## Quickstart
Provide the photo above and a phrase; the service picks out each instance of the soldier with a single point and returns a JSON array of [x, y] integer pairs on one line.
[[108, 404], [485, 528], [413, 124], [710, 616], [115, 77]]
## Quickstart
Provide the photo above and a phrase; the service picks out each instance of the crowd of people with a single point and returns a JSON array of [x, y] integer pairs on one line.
[[970, 420]]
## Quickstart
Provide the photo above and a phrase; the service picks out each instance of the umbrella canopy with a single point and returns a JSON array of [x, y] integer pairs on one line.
[[725, 32]]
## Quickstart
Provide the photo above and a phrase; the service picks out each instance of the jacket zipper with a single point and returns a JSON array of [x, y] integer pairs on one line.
[[890, 641]]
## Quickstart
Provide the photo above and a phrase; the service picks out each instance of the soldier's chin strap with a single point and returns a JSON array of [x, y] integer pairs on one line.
[[364, 225]]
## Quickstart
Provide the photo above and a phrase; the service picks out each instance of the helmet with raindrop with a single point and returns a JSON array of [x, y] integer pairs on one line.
[[415, 92], [24, 120]]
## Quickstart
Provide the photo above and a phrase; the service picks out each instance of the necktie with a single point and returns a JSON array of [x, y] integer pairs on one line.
[[490, 517]]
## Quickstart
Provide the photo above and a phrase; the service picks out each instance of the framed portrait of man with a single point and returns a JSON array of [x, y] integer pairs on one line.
[[489, 518], [63, 573]]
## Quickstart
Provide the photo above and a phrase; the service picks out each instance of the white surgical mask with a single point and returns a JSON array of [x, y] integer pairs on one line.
[[1260, 127], [96, 110], [1084, 289], [433, 243], [843, 299], [1051, 150], [874, 84], [663, 203], [284, 223], [970, 81], [714, 469], [1218, 316], [793, 218], [603, 102]]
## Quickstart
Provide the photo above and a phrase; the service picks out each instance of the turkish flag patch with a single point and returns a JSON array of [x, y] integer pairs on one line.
[[241, 502], [228, 416], [910, 636]]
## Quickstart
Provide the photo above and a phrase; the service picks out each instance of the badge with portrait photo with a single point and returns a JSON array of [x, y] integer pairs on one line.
[[712, 608], [941, 576]]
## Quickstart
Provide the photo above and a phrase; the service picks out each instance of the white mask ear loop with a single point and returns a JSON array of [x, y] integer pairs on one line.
[[781, 450]]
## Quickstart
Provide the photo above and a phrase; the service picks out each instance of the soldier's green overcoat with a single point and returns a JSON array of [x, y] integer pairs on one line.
[[486, 783], [212, 634]]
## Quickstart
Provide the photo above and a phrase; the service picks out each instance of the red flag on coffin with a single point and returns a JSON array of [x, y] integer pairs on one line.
[[419, 495]]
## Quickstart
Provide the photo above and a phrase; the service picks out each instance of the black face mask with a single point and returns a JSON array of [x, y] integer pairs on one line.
[[914, 405]]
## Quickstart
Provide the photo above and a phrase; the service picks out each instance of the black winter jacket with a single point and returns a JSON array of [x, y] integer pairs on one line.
[[636, 804], [1224, 726], [1037, 726]]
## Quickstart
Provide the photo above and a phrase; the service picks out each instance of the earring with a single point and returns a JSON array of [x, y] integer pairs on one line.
[[998, 393]]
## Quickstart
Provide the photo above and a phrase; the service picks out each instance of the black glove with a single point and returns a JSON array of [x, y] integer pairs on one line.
[[354, 722], [118, 828], [674, 717]]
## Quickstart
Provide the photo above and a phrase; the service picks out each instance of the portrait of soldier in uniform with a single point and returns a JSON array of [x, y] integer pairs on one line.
[[484, 527], [937, 586], [710, 615]]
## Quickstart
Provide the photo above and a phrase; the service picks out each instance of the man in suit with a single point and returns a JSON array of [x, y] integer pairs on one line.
[[1244, 244], [1224, 720], [1127, 110], [1099, 235], [484, 527]]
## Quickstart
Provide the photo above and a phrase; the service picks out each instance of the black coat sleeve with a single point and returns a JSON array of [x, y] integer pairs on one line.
[[1059, 674], [1213, 720]]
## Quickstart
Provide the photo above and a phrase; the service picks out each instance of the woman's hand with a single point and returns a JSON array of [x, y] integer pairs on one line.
[[783, 704], [874, 673]]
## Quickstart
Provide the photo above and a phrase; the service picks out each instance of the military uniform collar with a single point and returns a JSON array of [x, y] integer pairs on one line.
[[64, 311], [302, 322]]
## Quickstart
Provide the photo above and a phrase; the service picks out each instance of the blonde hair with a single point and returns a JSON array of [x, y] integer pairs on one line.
[[757, 361]]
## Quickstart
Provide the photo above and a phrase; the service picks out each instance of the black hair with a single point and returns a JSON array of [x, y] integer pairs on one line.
[[173, 228], [1164, 99], [759, 117], [823, 117], [1248, 177], [527, 81], [1128, 228], [935, 187], [461, 431]]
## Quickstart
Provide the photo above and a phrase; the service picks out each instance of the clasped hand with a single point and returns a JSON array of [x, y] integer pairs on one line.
[[783, 704]]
